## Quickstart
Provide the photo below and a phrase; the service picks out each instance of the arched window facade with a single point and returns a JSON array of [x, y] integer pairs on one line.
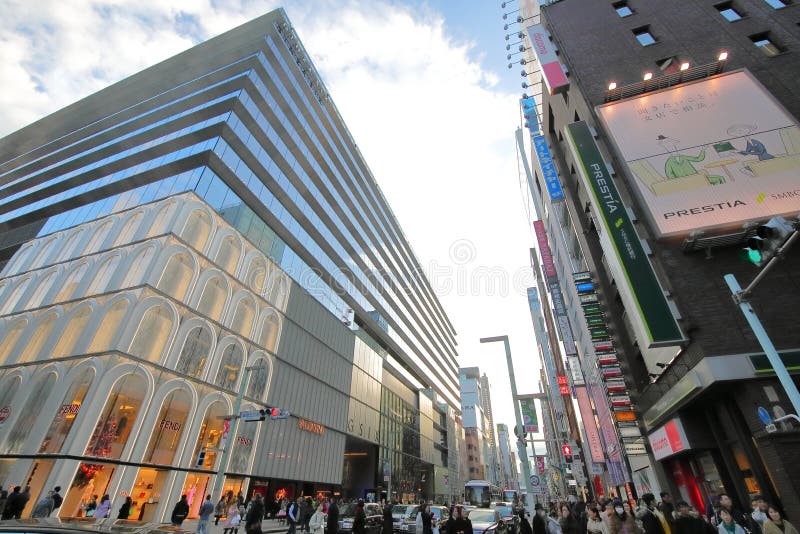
[[11, 339], [256, 275], [270, 330], [30, 351], [278, 293], [72, 332], [69, 286], [138, 267], [208, 438], [99, 237], [44, 285], [257, 384], [30, 413], [195, 352], [129, 230], [212, 300], [8, 392], [118, 417], [169, 428], [161, 224], [12, 299], [197, 229], [45, 249], [153, 333], [228, 253], [68, 247], [242, 321], [109, 327], [177, 276], [104, 274], [230, 366], [66, 413], [243, 446]]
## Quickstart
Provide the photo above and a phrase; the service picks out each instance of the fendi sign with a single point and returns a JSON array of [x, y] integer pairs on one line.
[[310, 426]]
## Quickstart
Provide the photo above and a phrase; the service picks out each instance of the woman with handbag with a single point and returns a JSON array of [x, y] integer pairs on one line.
[[317, 522]]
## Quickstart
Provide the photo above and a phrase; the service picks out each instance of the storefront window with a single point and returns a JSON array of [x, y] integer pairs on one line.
[[194, 352], [67, 413], [745, 470], [169, 427], [229, 366], [107, 331], [243, 446], [30, 413], [118, 417], [153, 333], [196, 485]]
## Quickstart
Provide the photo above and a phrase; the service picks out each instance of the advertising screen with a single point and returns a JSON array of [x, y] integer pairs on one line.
[[708, 155]]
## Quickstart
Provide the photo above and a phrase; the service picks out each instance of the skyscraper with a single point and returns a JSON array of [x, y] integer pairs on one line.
[[202, 228], [493, 461]]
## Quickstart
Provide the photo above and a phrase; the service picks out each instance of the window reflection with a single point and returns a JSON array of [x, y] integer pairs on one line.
[[66, 414], [30, 413], [229, 366]]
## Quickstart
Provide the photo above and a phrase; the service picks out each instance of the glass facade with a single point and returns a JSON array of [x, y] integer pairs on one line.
[[247, 134]]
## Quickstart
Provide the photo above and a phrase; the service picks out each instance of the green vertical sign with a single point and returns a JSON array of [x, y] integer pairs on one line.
[[658, 320], [528, 410]]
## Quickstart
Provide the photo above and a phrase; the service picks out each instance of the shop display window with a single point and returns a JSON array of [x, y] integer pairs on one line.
[[66, 414], [30, 414], [169, 427], [118, 417]]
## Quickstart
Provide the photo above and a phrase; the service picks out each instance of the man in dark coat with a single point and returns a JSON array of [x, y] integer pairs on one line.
[[12, 503], [686, 523], [360, 519], [180, 511], [255, 515], [333, 518], [539, 521], [651, 523], [388, 520]]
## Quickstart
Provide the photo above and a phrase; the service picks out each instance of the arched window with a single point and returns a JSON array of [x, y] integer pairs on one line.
[[163, 218], [138, 267], [75, 327], [43, 287], [103, 276], [194, 352], [99, 237], [129, 230], [210, 434], [30, 413], [66, 413], [197, 229], [256, 275], [278, 293], [18, 261], [117, 418], [228, 253], [229, 366], [13, 298], [107, 330], [69, 286], [11, 338], [153, 333], [169, 428], [242, 321], [68, 247], [30, 351], [7, 393], [44, 251], [177, 276], [270, 330], [257, 384], [243, 446], [212, 300]]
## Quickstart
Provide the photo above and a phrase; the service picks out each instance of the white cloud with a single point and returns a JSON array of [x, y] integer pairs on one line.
[[431, 121]]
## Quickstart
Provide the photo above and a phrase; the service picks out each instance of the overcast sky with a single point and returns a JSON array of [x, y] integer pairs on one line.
[[423, 87]]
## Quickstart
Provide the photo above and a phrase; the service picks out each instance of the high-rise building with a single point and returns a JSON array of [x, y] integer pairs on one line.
[[653, 175], [475, 424], [204, 228], [493, 460], [508, 460]]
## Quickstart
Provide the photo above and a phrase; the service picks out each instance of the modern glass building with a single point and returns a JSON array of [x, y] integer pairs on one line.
[[241, 128]]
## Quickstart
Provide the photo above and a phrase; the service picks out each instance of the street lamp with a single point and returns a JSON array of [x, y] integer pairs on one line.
[[521, 444]]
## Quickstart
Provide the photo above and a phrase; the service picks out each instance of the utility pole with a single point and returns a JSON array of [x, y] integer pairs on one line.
[[522, 447]]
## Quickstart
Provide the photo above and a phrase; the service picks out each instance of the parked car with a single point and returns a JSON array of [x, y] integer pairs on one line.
[[400, 513], [440, 516], [374, 513], [487, 521], [507, 514]]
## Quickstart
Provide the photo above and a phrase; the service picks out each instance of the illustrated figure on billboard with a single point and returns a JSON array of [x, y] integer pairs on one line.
[[754, 147], [680, 165]]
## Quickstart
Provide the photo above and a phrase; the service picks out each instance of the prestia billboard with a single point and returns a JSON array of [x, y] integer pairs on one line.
[[709, 154]]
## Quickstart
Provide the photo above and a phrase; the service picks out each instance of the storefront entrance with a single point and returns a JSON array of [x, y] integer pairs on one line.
[[91, 481], [195, 489], [146, 493]]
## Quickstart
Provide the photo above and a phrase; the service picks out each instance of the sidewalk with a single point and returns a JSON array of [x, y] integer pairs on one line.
[[268, 525]]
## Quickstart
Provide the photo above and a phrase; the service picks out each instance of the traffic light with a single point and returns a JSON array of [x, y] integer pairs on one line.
[[201, 458], [567, 450], [768, 239], [273, 413]]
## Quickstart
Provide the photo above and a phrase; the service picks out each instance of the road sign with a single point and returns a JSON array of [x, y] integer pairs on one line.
[[770, 428], [250, 416], [535, 481], [763, 414], [5, 412]]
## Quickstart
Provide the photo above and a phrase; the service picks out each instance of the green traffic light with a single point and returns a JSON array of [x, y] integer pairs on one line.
[[751, 255]]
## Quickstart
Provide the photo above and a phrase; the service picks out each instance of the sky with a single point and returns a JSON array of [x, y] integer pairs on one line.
[[424, 88]]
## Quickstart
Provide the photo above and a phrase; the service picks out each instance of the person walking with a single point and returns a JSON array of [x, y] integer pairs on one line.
[[686, 523], [388, 520], [206, 509], [524, 523], [427, 519], [776, 524], [91, 507], [125, 510], [727, 524], [621, 521], [104, 508], [293, 515], [461, 524], [3, 500], [316, 524], [219, 510], [594, 523], [360, 519], [539, 519], [667, 509], [653, 521], [232, 519], [759, 513], [255, 515], [180, 511], [44, 507], [569, 524], [333, 517], [13, 503], [57, 498], [726, 504]]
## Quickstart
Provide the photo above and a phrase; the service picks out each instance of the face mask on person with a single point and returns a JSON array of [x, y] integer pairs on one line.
[[619, 509]]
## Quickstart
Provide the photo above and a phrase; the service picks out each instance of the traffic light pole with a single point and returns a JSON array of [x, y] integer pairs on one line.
[[741, 297]]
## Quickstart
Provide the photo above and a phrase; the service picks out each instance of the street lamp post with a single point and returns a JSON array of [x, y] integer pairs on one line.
[[521, 443]]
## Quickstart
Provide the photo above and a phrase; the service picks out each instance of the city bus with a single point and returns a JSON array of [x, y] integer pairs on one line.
[[512, 496], [481, 493]]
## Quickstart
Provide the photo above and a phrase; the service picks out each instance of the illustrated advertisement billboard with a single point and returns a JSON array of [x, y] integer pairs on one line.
[[529, 420], [708, 155]]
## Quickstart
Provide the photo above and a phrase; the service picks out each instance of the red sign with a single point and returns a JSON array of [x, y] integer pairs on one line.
[[589, 425], [548, 266], [564, 390], [5, 412], [540, 464], [562, 380]]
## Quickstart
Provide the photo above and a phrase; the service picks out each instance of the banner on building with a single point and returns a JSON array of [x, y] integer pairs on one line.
[[700, 160], [529, 419], [548, 266], [552, 73], [590, 426], [548, 168], [655, 323]]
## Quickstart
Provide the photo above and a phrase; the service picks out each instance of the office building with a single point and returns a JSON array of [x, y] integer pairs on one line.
[[508, 460], [493, 460], [204, 228], [653, 176], [475, 424]]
